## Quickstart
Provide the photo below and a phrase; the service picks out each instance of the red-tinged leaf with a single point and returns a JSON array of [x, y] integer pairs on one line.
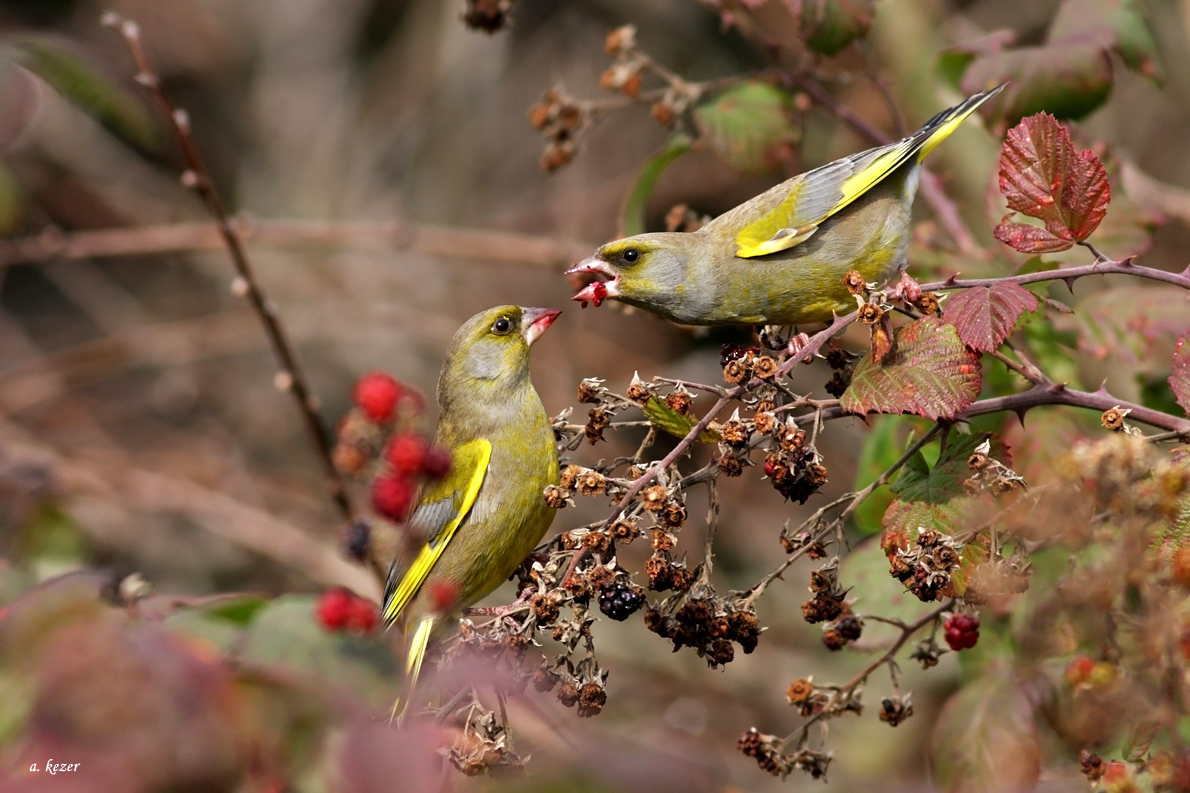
[[1085, 195], [985, 739], [1179, 378], [930, 373], [1029, 239], [1043, 176], [984, 316]]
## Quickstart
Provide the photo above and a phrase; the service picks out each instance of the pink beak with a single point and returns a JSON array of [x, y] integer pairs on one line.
[[597, 291], [538, 320]]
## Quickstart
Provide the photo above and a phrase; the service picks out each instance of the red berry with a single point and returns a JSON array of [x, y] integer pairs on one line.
[[333, 608], [377, 394], [437, 463], [407, 454], [392, 496], [362, 616], [443, 595], [962, 631]]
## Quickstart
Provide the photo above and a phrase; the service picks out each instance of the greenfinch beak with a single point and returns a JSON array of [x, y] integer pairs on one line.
[[536, 322], [596, 291]]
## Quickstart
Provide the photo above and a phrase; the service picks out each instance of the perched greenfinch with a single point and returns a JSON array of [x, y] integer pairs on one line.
[[779, 259], [486, 515]]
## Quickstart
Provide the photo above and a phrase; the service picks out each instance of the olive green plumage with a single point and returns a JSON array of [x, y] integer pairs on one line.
[[780, 257], [488, 513]]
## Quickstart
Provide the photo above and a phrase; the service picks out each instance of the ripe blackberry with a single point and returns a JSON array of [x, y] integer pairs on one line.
[[620, 600], [962, 631]]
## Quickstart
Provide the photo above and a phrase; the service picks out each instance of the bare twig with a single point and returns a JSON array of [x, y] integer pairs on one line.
[[197, 177]]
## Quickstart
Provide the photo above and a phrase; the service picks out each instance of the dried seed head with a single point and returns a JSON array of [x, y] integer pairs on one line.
[[896, 710], [662, 112], [734, 433], [654, 498], [597, 421], [555, 497], [679, 401], [720, 652], [591, 483], [569, 477], [540, 115], [765, 422], [543, 680], [637, 391], [800, 691], [568, 694], [349, 458], [660, 573], [833, 641], [622, 39], [978, 461], [735, 372], [624, 531], [870, 313], [791, 438], [591, 700], [661, 539], [765, 367], [683, 577], [588, 391], [855, 283], [1113, 418], [557, 155], [928, 303], [601, 577], [816, 474], [1004, 484], [730, 465], [673, 516], [545, 608], [597, 540]]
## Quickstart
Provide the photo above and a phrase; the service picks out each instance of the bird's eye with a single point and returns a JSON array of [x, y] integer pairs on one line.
[[502, 325], [631, 255]]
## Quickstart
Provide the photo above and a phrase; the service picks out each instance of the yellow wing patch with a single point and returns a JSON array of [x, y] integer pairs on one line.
[[470, 465], [772, 232]]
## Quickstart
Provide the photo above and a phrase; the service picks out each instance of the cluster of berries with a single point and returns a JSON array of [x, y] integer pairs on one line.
[[962, 631], [709, 625], [342, 610], [381, 427]]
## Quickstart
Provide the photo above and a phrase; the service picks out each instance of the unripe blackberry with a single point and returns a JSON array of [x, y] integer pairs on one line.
[[962, 631]]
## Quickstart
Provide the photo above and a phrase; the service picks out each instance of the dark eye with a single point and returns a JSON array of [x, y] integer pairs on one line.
[[502, 325], [630, 255]]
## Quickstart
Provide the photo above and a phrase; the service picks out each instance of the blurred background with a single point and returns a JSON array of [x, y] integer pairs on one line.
[[140, 429]]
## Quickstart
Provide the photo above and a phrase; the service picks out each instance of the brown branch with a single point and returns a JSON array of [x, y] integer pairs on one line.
[[197, 177], [54, 244], [1069, 275]]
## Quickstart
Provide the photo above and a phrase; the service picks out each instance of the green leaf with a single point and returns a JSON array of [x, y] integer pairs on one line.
[[1118, 25], [1068, 80], [665, 418], [633, 216], [12, 200], [930, 373], [944, 481], [883, 446], [985, 739], [749, 125], [828, 26], [87, 87]]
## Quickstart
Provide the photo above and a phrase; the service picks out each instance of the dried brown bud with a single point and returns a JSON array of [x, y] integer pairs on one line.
[[850, 627], [895, 711], [679, 401], [1092, 766], [820, 580], [624, 531], [557, 155], [870, 313], [720, 652], [545, 608], [631, 86], [597, 540], [654, 498], [730, 465], [487, 15], [349, 459], [592, 483], [1113, 419], [735, 372], [972, 486], [637, 393], [635, 472], [544, 680], [833, 641], [765, 422], [568, 694], [661, 539], [655, 621], [555, 497], [683, 577], [978, 461], [745, 630], [838, 384], [928, 538], [791, 438], [855, 283], [662, 112], [601, 577], [591, 700], [587, 392], [734, 433], [620, 40], [800, 691], [765, 367], [673, 516], [569, 477], [928, 303], [570, 117], [660, 573], [597, 421], [823, 608], [539, 115]]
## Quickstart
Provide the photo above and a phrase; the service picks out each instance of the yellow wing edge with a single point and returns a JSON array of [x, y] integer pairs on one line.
[[923, 142], [416, 575]]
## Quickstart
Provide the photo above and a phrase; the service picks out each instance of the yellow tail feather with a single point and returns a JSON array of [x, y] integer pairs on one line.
[[413, 661]]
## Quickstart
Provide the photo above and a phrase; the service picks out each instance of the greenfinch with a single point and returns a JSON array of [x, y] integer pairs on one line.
[[780, 258], [481, 520]]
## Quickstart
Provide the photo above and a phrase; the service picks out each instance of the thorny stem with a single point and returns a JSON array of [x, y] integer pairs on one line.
[[197, 177], [848, 688], [1067, 274]]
